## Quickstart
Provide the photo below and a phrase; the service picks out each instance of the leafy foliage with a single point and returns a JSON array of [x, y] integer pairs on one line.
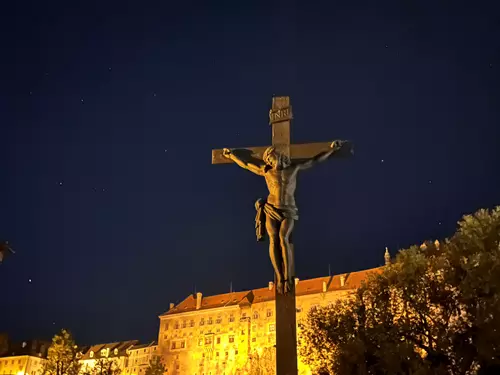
[[156, 367], [61, 356], [106, 366], [435, 310], [262, 362]]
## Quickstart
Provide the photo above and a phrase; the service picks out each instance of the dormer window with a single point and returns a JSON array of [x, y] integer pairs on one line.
[[115, 351], [91, 354], [104, 352]]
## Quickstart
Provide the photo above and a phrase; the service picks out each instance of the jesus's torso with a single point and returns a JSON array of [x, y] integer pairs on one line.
[[281, 185]]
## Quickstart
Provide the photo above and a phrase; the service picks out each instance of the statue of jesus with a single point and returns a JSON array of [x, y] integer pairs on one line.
[[279, 211]]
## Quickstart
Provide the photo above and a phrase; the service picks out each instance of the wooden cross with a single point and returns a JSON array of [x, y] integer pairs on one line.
[[280, 117]]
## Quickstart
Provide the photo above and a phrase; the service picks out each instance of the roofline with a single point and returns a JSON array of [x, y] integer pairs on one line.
[[237, 305]]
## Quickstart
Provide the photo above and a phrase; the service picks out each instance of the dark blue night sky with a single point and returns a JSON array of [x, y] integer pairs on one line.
[[109, 111]]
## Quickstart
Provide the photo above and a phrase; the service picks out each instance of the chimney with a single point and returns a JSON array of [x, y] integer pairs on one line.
[[324, 286], [342, 280], [199, 295], [387, 257], [271, 285], [296, 280], [171, 305]]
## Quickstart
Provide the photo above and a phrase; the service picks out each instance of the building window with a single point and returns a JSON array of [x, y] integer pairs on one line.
[[183, 344], [183, 324], [166, 326], [256, 315], [231, 318], [227, 353], [243, 332], [91, 354], [218, 320], [272, 327], [176, 325], [269, 313], [244, 315], [236, 352], [231, 338], [191, 323], [208, 340], [173, 344], [115, 351], [254, 339], [210, 320], [218, 340], [200, 341], [202, 321]]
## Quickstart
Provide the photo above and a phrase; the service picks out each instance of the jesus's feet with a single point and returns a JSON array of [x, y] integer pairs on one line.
[[288, 286], [279, 287]]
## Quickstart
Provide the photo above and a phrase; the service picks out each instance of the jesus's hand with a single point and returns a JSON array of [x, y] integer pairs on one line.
[[226, 153]]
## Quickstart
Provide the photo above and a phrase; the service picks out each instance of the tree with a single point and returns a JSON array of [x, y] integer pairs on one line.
[[260, 362], [156, 367], [105, 366], [435, 310], [61, 357]]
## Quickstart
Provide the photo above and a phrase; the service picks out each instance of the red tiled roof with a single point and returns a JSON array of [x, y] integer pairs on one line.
[[121, 346], [353, 280]]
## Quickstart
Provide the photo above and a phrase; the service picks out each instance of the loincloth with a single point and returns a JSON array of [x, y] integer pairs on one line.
[[265, 209]]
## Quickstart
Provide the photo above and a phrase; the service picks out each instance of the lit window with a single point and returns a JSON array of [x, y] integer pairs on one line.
[[210, 320], [272, 327], [173, 344], [183, 344], [115, 351], [256, 315], [269, 313], [200, 341], [231, 338], [91, 354], [208, 340], [202, 321]]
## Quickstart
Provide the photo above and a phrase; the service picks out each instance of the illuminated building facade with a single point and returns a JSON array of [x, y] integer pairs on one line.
[[116, 352], [139, 357], [24, 358], [222, 334]]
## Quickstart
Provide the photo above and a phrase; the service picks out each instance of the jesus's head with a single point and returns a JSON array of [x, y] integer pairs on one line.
[[275, 159]]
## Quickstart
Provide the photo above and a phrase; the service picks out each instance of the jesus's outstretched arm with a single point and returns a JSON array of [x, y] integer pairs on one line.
[[243, 164], [322, 156]]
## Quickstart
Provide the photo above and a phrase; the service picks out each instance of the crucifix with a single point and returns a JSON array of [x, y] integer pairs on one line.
[[279, 164]]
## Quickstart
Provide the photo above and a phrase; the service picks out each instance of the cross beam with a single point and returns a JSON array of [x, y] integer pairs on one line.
[[280, 117]]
